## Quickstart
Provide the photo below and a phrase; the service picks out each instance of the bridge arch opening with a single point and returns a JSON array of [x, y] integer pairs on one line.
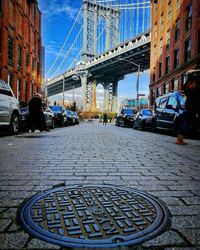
[[99, 97]]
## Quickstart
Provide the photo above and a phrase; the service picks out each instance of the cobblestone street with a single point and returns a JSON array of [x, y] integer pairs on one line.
[[91, 153]]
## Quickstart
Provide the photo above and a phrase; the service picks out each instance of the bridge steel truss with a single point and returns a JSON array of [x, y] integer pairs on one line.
[[106, 69], [92, 13]]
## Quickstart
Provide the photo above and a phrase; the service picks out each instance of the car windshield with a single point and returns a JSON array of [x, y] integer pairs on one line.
[[56, 108], [147, 112], [129, 111], [69, 112]]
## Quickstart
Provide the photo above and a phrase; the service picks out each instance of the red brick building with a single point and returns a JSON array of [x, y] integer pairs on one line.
[[175, 44], [20, 46]]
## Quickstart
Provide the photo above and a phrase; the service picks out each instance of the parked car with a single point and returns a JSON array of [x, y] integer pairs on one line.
[[167, 109], [125, 117], [142, 119], [9, 109], [70, 117], [49, 118], [60, 115], [76, 118]]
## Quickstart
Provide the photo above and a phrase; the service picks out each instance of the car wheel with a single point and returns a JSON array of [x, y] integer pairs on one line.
[[143, 125], [14, 124], [134, 127], [123, 124], [117, 124]]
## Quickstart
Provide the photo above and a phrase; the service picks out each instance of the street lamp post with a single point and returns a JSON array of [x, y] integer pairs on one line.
[[63, 90], [138, 79]]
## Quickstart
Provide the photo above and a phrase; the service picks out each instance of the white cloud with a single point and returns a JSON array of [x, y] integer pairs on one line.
[[54, 9]]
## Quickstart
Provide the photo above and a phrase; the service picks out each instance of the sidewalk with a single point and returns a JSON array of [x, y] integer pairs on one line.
[[91, 153]]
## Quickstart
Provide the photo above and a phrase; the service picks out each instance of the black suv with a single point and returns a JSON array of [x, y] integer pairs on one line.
[[125, 117], [167, 109]]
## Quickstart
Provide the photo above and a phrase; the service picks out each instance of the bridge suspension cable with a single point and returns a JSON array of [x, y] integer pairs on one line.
[[68, 52], [53, 64]]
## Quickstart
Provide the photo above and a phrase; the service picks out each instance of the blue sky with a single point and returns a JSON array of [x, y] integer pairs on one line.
[[57, 19]]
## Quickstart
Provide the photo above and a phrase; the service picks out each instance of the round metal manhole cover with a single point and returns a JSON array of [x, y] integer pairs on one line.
[[93, 216]]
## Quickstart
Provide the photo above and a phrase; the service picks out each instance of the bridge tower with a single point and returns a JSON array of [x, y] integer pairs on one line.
[[92, 13]]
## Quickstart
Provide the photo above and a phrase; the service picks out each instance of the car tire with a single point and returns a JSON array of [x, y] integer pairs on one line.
[[143, 126], [14, 124], [134, 127]]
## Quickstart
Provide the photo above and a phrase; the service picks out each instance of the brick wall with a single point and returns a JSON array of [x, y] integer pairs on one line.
[[178, 10], [20, 20]]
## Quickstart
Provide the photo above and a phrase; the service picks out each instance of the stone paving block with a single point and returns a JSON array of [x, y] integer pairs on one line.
[[13, 240], [182, 248], [167, 238], [185, 210], [180, 222], [192, 235], [40, 244], [191, 200], [4, 224]]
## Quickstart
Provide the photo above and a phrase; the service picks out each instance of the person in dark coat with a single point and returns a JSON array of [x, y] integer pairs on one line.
[[36, 115], [105, 119], [190, 119]]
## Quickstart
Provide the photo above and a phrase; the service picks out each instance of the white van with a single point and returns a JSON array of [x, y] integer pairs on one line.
[[9, 108]]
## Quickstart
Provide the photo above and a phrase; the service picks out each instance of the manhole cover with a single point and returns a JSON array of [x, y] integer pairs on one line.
[[93, 216]]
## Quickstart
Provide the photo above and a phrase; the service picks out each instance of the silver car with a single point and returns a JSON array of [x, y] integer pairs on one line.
[[9, 108]]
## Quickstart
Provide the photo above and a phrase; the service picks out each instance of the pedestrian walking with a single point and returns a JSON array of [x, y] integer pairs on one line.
[[190, 119], [105, 119], [36, 115]]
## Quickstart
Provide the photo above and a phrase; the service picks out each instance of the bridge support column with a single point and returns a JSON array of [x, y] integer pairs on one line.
[[93, 96], [84, 89], [114, 97], [106, 97]]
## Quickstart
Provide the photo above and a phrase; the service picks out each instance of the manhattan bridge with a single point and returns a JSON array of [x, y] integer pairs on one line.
[[108, 40]]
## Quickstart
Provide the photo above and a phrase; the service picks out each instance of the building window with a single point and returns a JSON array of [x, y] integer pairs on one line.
[[169, 14], [188, 21], [177, 29], [161, 47], [154, 75], [177, 4], [161, 22], [168, 39], [26, 91], [167, 66], [188, 47], [26, 62], [166, 88], [158, 92], [176, 58], [10, 49], [10, 79], [155, 31], [174, 85], [0, 6], [183, 80], [19, 89], [160, 69], [19, 56]]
